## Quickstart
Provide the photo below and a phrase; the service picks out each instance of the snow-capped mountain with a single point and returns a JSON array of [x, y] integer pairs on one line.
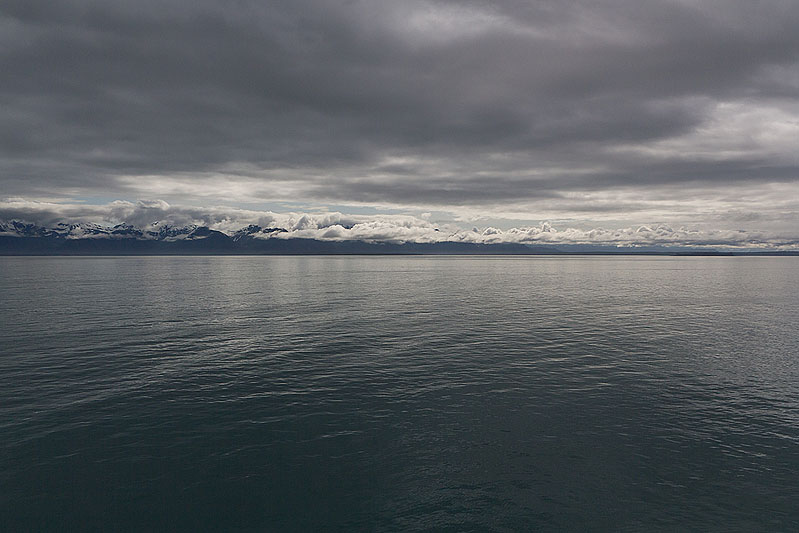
[[164, 232], [21, 229], [256, 232], [126, 231], [81, 231], [23, 238], [17, 237], [157, 231]]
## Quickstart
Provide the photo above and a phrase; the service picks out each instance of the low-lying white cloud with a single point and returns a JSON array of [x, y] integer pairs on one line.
[[392, 228]]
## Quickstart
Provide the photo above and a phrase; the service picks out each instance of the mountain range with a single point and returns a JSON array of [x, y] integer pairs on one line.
[[22, 238]]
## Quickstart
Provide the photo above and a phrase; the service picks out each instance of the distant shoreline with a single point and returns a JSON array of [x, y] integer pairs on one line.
[[203, 241], [6, 253]]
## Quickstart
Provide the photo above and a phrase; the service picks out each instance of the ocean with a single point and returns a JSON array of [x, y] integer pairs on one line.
[[365, 393]]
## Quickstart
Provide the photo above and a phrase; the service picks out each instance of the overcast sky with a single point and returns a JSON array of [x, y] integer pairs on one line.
[[586, 114]]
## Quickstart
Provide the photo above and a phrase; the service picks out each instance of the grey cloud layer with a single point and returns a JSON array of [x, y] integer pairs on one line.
[[459, 103]]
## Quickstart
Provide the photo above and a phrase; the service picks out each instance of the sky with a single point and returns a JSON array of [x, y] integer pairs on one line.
[[607, 121]]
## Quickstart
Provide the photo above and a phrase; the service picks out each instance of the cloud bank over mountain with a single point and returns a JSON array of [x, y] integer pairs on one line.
[[155, 217]]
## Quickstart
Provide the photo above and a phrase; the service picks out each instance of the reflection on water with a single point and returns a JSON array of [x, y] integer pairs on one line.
[[395, 393]]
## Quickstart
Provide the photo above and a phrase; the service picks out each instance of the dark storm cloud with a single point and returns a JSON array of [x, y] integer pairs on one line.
[[392, 102]]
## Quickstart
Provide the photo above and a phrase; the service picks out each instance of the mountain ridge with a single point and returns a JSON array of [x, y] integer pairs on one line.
[[23, 238]]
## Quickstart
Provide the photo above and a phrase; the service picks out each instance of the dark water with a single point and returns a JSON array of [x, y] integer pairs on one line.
[[379, 393]]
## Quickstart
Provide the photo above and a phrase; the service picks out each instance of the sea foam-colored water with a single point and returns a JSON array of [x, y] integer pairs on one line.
[[399, 393]]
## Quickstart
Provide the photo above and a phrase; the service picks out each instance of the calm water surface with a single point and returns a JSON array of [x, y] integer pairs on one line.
[[399, 393]]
